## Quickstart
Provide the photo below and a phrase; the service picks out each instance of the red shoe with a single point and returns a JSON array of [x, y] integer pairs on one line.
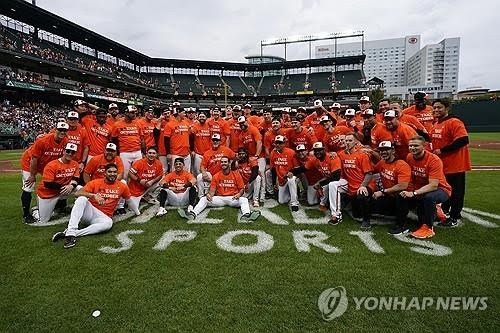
[[423, 232], [440, 214]]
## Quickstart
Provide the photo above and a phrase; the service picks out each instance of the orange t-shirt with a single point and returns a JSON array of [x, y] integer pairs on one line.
[[161, 141], [147, 127], [234, 135], [393, 173], [59, 172], [400, 137], [354, 168], [219, 126], [46, 149], [202, 138], [303, 137], [325, 167], [112, 193], [211, 159], [443, 134], [249, 138], [245, 169], [79, 137], [227, 185], [425, 117], [428, 167], [333, 140], [177, 180], [312, 120], [95, 167], [270, 135], [112, 121], [255, 120], [312, 175], [282, 162], [412, 121], [178, 132], [98, 135], [129, 135], [264, 126], [146, 171]]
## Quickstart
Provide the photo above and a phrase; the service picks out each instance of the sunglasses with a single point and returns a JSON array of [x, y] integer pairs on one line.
[[70, 152]]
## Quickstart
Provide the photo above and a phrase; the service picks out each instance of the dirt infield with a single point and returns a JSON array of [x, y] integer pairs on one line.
[[492, 145], [7, 167]]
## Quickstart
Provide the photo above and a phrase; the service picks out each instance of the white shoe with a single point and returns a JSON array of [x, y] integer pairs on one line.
[[256, 203], [152, 201], [161, 211], [190, 208]]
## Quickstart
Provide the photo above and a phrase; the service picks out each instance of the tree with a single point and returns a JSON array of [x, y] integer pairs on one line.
[[376, 96]]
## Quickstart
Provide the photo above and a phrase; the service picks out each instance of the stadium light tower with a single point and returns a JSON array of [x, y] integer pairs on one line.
[[311, 38]]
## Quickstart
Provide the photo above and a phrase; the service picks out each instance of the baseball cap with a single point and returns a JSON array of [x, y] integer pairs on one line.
[[364, 99], [111, 146], [324, 118], [242, 119], [237, 108], [385, 145], [318, 145], [368, 112], [318, 103], [191, 110], [279, 138], [131, 108], [301, 108], [73, 114], [175, 104], [112, 106], [420, 95], [247, 106], [350, 112], [335, 105], [390, 114], [216, 136], [62, 125], [179, 159], [300, 147], [71, 146], [78, 102]]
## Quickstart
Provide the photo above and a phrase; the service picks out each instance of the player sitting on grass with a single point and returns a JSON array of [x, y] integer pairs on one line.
[[178, 188], [95, 205], [226, 189]]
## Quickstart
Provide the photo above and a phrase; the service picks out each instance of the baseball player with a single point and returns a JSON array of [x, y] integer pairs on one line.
[[45, 149], [226, 189], [421, 110], [98, 131], [95, 205], [176, 138], [199, 141], [249, 170], [95, 167], [178, 188], [59, 179]]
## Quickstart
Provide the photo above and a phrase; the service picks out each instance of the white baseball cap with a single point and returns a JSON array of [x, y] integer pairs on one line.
[[247, 106], [335, 105], [73, 114], [71, 146], [112, 106], [318, 145], [62, 125], [216, 136], [350, 112], [390, 114], [324, 118], [242, 119], [111, 146], [300, 147], [237, 107], [318, 103], [368, 112], [279, 138], [176, 104], [79, 102], [364, 99], [131, 108], [386, 144]]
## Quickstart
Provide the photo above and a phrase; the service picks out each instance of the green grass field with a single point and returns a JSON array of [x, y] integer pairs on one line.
[[197, 286]]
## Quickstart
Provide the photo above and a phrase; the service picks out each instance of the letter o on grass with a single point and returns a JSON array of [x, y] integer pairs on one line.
[[264, 242]]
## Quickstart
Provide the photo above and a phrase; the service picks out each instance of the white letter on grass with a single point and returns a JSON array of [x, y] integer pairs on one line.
[[366, 238], [305, 238], [264, 242], [125, 241], [171, 236]]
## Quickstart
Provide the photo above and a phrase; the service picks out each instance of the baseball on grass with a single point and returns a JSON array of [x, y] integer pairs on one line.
[[96, 313]]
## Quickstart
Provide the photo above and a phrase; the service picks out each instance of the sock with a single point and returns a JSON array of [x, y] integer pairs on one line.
[[26, 203]]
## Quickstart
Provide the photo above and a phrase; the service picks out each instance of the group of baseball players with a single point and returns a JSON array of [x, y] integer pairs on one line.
[[369, 162]]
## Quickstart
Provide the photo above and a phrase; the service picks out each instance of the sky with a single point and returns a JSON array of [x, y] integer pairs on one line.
[[229, 30]]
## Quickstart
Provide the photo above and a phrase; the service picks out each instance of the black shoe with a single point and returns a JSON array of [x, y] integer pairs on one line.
[[335, 220], [269, 196], [187, 215], [121, 211], [295, 208], [365, 225], [252, 216], [69, 242], [449, 223], [398, 230], [58, 235], [29, 219]]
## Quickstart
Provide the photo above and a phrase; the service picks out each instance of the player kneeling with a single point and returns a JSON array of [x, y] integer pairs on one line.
[[95, 205], [226, 189], [249, 171], [178, 188]]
